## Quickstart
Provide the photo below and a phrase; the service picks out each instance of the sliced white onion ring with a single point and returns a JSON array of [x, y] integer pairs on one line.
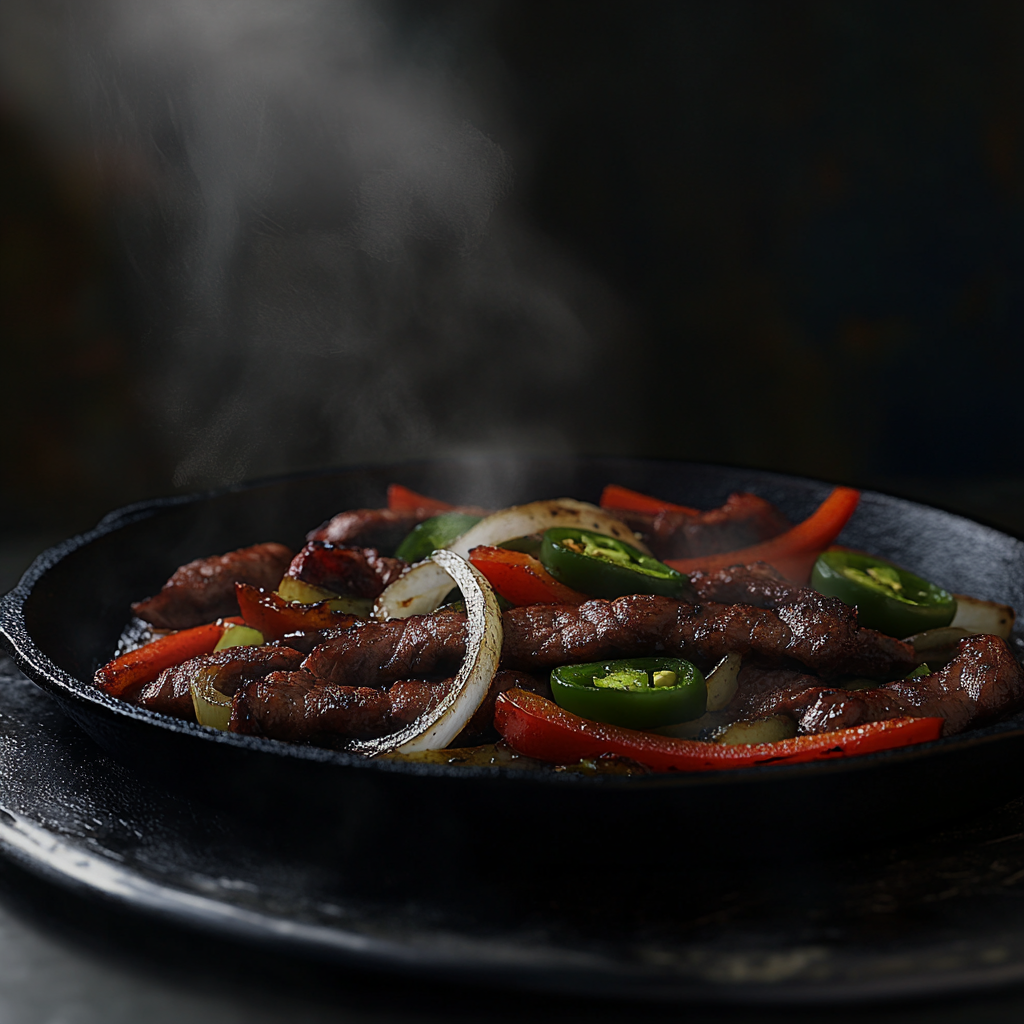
[[723, 681], [538, 516], [425, 585], [417, 592], [484, 636]]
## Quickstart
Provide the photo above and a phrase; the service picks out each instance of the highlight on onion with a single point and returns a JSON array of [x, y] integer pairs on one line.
[[425, 585], [212, 707], [484, 635], [417, 592], [978, 616], [936, 647], [538, 516], [723, 681]]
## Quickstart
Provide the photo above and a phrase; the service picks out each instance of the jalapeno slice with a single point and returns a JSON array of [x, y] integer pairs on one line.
[[605, 567], [431, 534], [638, 693], [887, 598]]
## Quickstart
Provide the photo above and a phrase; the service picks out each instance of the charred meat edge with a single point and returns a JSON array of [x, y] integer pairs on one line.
[[204, 590]]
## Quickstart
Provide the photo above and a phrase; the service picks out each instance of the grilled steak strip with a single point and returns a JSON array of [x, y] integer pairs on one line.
[[983, 682], [369, 527], [758, 685], [380, 528], [379, 653], [823, 635], [204, 590], [743, 520], [350, 572], [758, 583], [296, 707], [540, 637], [227, 670]]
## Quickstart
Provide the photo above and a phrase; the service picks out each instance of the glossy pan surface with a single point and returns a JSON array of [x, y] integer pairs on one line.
[[64, 618]]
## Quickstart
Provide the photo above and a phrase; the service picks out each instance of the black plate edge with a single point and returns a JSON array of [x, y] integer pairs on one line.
[[46, 856]]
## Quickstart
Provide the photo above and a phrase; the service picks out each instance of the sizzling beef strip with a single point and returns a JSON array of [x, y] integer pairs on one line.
[[204, 590], [351, 572], [757, 686], [825, 638], [758, 583], [378, 653], [743, 520], [295, 706], [379, 528], [227, 670], [983, 682], [540, 637]]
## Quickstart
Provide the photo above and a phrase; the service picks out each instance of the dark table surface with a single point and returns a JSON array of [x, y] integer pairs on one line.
[[69, 958]]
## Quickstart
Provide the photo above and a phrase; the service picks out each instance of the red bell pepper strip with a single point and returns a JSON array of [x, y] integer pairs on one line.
[[127, 674], [539, 728], [274, 617], [614, 496], [521, 578], [401, 499], [794, 552]]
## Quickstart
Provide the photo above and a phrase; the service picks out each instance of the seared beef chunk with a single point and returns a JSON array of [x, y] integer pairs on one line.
[[380, 528], [303, 641], [758, 583], [743, 520], [204, 590], [369, 527], [350, 572], [295, 706], [378, 653], [824, 638], [227, 670], [983, 682], [757, 685], [540, 637]]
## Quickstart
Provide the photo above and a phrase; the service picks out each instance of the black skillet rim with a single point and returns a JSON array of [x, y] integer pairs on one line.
[[15, 638]]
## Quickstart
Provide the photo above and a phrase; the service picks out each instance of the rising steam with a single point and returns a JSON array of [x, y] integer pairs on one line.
[[325, 252]]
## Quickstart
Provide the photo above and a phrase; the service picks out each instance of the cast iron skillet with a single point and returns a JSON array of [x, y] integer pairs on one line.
[[64, 617]]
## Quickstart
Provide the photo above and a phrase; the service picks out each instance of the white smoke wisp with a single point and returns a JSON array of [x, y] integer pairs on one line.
[[323, 245]]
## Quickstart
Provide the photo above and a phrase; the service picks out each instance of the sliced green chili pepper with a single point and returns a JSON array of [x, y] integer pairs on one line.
[[604, 567], [888, 599], [638, 693], [431, 534], [529, 545]]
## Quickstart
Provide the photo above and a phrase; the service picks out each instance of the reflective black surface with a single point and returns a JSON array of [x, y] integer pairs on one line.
[[727, 887]]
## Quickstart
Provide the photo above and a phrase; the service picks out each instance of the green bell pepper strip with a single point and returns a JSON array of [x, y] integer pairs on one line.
[[605, 567], [434, 533], [632, 693], [887, 598]]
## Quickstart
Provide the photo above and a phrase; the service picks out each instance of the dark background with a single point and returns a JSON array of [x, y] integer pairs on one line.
[[241, 239]]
